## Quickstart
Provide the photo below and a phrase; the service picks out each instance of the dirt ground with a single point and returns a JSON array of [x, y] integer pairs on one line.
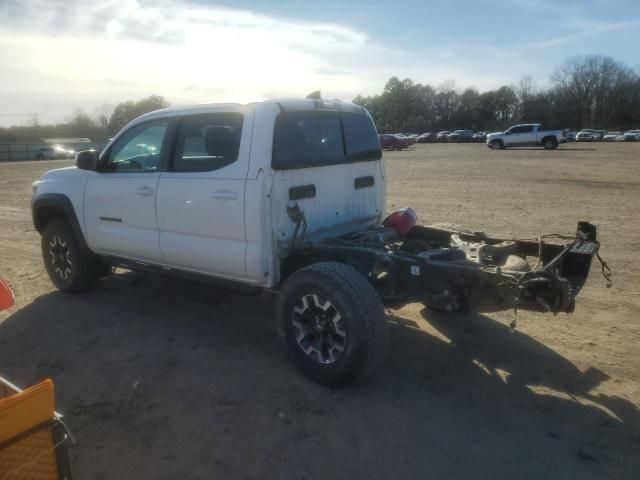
[[157, 385]]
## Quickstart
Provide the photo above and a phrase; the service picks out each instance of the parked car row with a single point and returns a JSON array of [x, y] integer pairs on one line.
[[593, 135], [457, 136], [514, 136]]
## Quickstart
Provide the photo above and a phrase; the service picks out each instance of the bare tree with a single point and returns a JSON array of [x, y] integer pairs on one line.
[[526, 93], [102, 115], [587, 86]]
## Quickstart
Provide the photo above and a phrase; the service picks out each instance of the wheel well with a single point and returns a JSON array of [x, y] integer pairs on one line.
[[45, 214], [360, 260], [56, 205], [379, 270]]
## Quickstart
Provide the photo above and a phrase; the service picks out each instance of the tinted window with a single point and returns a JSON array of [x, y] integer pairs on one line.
[[139, 149], [360, 137], [314, 138], [207, 142], [526, 129]]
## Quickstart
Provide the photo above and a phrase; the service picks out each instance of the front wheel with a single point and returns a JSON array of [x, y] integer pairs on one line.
[[550, 144], [70, 267], [331, 323], [497, 145]]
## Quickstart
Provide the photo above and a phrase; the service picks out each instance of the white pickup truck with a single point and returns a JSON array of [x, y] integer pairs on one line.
[[526, 135], [287, 197]]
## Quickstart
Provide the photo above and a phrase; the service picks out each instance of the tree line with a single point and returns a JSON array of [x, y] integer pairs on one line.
[[593, 91], [98, 127], [585, 92]]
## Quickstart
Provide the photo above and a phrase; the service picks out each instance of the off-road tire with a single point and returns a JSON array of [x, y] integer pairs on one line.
[[497, 145], [360, 311], [76, 272]]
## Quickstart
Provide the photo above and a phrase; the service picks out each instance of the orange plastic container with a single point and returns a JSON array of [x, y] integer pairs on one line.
[[32, 436]]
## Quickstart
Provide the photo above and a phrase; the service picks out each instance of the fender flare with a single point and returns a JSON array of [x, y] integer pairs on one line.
[[50, 205]]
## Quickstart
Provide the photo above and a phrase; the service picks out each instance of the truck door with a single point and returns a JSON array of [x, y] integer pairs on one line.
[[528, 135], [201, 196], [120, 199], [514, 136]]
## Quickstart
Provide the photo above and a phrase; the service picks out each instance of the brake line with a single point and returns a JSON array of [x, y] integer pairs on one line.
[[606, 271]]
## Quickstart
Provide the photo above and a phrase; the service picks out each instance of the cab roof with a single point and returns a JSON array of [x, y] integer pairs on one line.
[[282, 104]]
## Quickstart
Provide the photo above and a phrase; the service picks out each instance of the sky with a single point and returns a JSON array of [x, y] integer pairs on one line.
[[57, 55]]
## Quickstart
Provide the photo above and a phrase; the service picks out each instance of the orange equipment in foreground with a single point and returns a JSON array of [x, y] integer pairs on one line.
[[6, 296], [33, 438]]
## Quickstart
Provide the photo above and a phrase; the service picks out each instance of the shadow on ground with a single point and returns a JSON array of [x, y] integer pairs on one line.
[[155, 383]]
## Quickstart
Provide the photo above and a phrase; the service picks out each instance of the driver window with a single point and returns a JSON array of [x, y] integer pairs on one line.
[[139, 150]]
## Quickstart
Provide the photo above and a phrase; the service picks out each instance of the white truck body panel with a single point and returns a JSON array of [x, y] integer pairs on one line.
[[231, 222], [120, 215], [201, 214]]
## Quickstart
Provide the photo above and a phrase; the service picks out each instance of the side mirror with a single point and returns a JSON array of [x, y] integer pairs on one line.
[[87, 160]]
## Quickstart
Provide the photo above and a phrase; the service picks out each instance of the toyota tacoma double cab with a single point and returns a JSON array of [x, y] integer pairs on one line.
[[526, 135], [286, 197]]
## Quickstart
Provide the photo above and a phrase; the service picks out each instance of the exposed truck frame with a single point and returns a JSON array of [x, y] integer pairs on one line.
[[430, 265]]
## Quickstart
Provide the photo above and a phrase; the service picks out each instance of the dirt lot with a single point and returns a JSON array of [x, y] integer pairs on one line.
[[156, 385]]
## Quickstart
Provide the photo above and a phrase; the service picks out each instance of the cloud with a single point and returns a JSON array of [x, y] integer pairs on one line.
[[584, 29], [108, 51], [57, 55]]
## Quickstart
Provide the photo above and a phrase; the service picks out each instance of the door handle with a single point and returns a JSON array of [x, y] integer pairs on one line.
[[145, 191], [224, 195]]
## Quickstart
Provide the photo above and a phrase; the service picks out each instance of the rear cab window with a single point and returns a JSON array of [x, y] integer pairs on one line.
[[312, 138]]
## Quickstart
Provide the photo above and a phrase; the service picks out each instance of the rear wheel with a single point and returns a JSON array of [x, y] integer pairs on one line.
[[70, 267], [550, 143], [331, 323]]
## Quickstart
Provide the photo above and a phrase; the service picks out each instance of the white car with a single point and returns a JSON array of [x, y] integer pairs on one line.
[[612, 137], [631, 136], [286, 197], [589, 135]]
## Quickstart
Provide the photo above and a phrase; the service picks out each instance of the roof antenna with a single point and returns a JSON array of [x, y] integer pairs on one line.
[[314, 96]]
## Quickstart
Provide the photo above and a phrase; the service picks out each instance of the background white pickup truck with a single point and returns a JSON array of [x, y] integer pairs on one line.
[[526, 135], [288, 197]]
